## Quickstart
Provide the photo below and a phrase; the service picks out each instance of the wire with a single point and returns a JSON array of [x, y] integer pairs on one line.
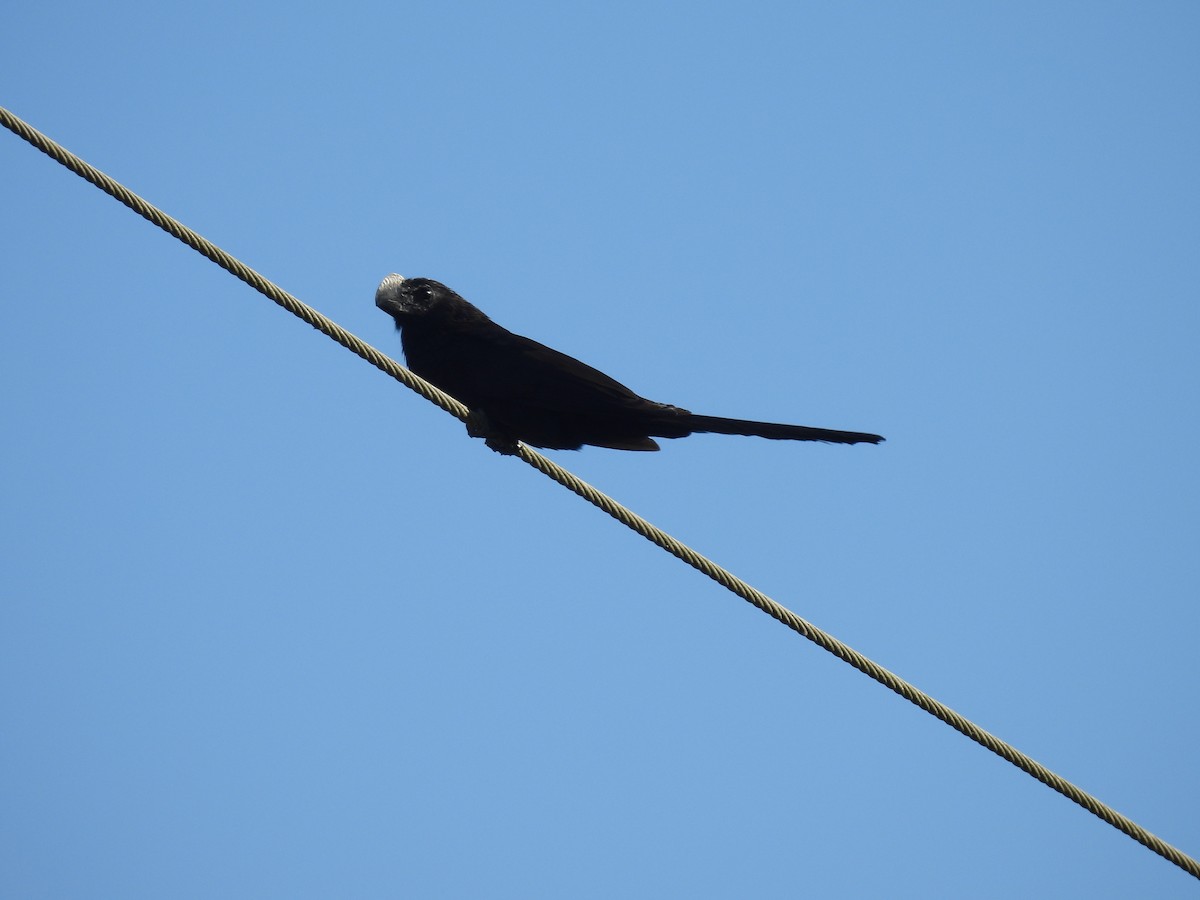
[[623, 515]]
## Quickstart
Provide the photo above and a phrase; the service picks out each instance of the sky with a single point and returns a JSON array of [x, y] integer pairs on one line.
[[274, 626]]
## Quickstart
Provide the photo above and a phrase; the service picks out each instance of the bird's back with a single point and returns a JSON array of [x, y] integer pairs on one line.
[[527, 389]]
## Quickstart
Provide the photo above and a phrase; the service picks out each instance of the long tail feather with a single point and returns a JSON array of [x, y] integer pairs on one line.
[[718, 425]]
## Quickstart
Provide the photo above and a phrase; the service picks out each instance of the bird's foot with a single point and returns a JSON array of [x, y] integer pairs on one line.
[[503, 446], [480, 426]]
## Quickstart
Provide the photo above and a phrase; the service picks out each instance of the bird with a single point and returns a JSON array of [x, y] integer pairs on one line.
[[520, 390]]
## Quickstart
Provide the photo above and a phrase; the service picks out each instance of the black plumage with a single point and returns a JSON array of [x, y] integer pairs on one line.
[[518, 389]]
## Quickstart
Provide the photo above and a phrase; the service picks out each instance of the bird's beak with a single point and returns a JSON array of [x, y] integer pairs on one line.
[[388, 296]]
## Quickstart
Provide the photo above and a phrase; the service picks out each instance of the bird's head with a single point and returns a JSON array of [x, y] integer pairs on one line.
[[409, 299]]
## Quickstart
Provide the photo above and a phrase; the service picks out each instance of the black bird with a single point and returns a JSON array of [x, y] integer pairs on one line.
[[518, 389]]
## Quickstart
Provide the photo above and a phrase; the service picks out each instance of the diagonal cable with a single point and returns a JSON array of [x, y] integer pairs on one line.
[[625, 516]]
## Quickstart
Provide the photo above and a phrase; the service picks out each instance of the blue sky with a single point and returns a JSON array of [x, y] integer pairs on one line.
[[273, 626]]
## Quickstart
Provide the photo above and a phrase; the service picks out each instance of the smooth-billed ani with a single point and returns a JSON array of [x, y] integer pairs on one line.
[[518, 389]]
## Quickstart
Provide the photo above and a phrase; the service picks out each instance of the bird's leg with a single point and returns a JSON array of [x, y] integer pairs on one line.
[[504, 446], [480, 426]]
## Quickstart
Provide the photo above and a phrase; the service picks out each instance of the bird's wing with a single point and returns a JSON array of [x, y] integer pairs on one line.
[[521, 369]]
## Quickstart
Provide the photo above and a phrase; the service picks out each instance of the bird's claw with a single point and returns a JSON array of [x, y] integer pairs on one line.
[[503, 446], [480, 426]]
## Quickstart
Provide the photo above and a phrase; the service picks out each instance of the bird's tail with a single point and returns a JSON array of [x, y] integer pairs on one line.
[[718, 425]]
